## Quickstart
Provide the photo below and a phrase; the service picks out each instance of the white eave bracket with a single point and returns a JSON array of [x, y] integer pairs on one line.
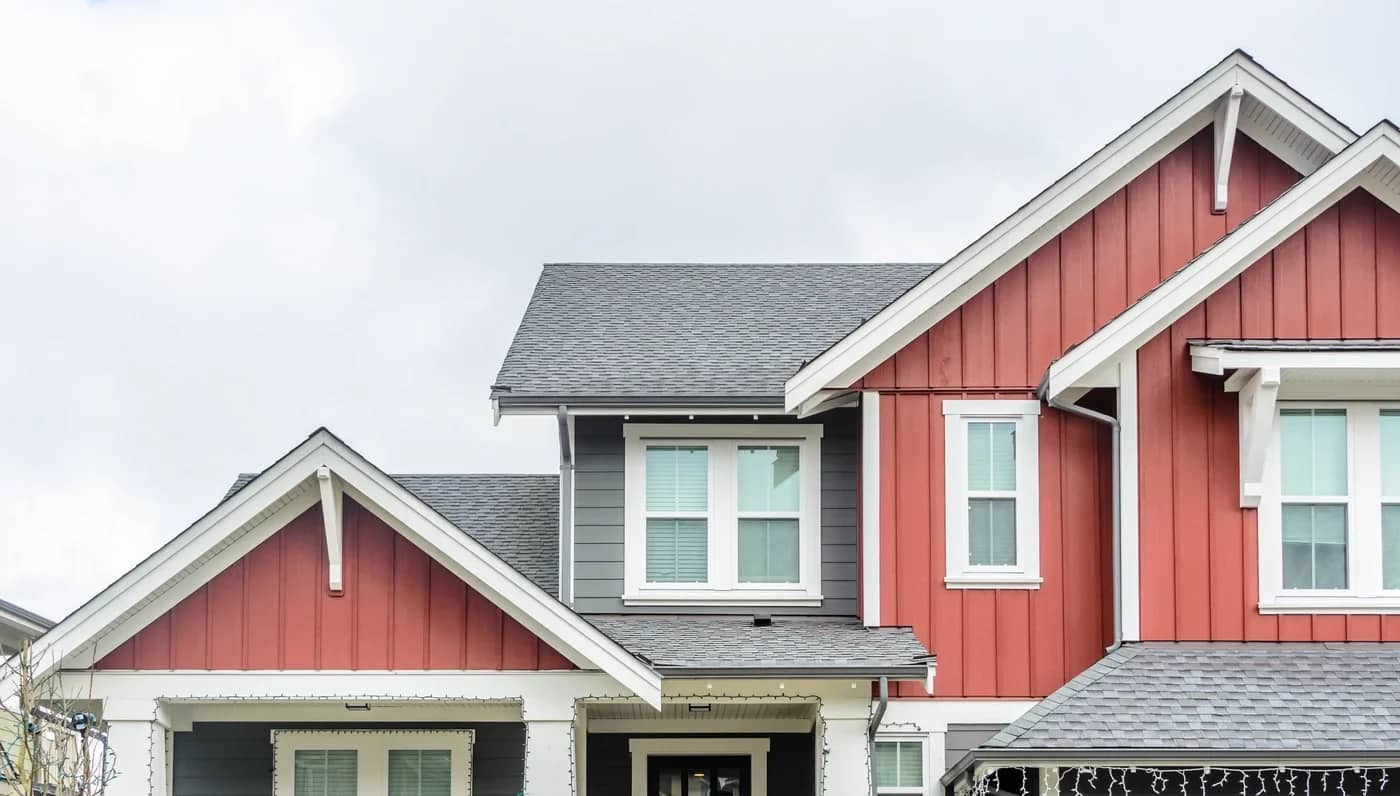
[[332, 511], [1258, 391], [1227, 120]]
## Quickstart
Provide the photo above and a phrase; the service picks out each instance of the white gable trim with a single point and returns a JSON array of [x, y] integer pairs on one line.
[[1068, 199], [275, 497], [1376, 152]]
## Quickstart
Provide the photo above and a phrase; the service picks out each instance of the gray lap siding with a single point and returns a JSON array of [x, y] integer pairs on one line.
[[599, 509]]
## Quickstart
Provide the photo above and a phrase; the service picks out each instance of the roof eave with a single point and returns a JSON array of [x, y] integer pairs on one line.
[[904, 672]]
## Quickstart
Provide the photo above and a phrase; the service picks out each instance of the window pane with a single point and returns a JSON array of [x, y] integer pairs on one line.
[[1314, 546], [768, 551], [324, 772], [886, 764], [420, 772], [1314, 451], [1390, 452], [991, 532], [678, 478], [768, 478], [899, 764], [991, 457], [678, 551], [1390, 547]]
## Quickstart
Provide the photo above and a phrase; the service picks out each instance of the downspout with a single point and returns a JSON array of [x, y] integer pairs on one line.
[[875, 719], [566, 510], [1111, 422]]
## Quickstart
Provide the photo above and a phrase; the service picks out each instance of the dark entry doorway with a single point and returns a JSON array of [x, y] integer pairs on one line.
[[698, 776]]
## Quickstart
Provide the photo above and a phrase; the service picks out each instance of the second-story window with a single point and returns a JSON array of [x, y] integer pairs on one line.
[[992, 534], [723, 514]]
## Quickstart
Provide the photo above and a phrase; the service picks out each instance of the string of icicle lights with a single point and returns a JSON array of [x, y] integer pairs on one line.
[[1199, 781]]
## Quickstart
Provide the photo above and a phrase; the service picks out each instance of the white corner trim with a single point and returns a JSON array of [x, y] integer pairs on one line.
[[755, 749], [870, 507], [1051, 211], [1128, 505], [175, 570], [1226, 259], [332, 515], [372, 749], [1227, 121]]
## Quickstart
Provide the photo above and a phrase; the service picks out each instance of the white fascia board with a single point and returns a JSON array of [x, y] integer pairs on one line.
[[20, 624], [1050, 212], [1226, 259], [1215, 361], [158, 583]]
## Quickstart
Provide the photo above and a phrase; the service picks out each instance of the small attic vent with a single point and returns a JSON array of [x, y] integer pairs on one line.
[[762, 620]]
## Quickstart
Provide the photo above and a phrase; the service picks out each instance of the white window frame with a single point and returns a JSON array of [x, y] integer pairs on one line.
[[723, 587], [1025, 574], [372, 748], [923, 740], [1365, 592]]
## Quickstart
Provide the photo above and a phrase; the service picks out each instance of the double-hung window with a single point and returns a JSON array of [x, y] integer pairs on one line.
[[992, 494], [722, 514], [372, 762], [899, 766], [1329, 518]]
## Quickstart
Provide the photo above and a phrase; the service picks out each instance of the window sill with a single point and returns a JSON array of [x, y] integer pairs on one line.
[[997, 581], [1331, 604], [727, 598]]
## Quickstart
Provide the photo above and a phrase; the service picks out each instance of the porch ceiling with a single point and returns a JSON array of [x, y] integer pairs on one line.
[[720, 711]]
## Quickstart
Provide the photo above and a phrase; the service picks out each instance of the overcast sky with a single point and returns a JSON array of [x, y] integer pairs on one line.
[[223, 224]]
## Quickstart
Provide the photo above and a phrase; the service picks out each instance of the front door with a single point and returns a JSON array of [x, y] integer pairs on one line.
[[698, 776]]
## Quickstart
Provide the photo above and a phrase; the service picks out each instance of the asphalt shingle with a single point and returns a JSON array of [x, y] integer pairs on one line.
[[706, 331], [1225, 697], [734, 642]]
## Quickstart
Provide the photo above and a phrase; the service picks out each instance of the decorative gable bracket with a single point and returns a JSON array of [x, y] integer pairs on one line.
[[332, 512], [1227, 122], [1258, 391]]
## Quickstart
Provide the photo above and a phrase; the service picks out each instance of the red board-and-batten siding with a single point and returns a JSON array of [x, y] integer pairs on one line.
[[1338, 278], [400, 609], [1027, 643]]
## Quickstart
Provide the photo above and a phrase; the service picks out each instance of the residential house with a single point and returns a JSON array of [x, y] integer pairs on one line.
[[1107, 501], [18, 626]]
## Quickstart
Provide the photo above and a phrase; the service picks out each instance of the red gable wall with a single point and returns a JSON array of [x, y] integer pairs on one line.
[[272, 610], [1019, 643], [1338, 278]]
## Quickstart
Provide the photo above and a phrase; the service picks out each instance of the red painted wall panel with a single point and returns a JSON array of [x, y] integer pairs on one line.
[[1028, 643], [1198, 549], [399, 609]]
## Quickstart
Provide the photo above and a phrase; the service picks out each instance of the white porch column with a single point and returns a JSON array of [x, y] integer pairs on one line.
[[846, 768], [137, 735], [549, 741]]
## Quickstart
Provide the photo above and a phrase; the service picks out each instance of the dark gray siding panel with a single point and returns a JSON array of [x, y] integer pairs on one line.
[[235, 759], [598, 514], [961, 738], [791, 763]]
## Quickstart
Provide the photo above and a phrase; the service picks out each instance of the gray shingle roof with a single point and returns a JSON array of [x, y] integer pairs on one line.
[[514, 516], [673, 644], [1255, 697], [705, 331], [26, 615]]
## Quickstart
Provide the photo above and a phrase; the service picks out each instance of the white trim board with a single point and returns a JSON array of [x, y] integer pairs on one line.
[[237, 525], [1194, 283], [1053, 210]]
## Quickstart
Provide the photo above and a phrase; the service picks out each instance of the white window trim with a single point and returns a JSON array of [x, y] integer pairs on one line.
[[924, 741], [372, 763], [723, 587], [1364, 592], [1026, 573]]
